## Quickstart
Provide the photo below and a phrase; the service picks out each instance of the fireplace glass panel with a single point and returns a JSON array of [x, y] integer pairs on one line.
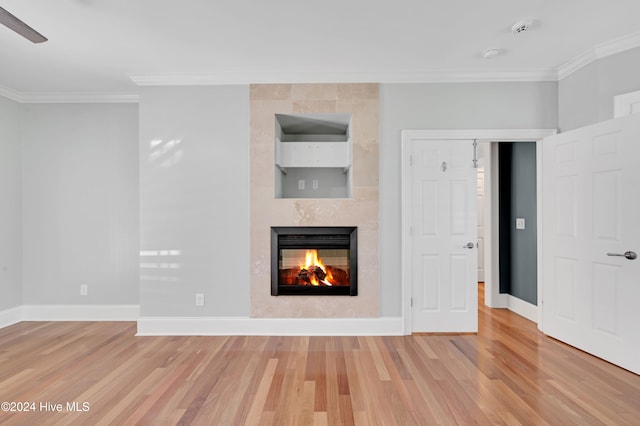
[[314, 261], [319, 267]]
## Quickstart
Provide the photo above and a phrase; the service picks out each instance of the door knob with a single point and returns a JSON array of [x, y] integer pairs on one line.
[[627, 254], [469, 245]]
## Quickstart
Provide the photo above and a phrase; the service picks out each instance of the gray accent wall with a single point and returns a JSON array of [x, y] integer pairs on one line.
[[524, 271], [10, 205], [517, 199], [194, 201], [586, 96], [443, 106], [80, 203]]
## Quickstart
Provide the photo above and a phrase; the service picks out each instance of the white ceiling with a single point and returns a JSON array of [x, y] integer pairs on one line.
[[97, 46]]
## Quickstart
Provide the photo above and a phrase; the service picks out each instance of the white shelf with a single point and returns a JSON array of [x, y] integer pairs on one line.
[[313, 154]]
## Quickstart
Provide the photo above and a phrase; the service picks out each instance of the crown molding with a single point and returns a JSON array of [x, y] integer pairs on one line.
[[68, 98], [487, 76], [452, 76], [10, 94], [599, 51], [618, 45], [576, 64], [79, 98]]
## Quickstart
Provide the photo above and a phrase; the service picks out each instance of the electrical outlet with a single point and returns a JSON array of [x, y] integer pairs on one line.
[[84, 290], [519, 223], [315, 184], [301, 184], [199, 299]]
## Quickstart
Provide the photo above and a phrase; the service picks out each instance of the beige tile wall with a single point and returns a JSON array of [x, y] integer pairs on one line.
[[361, 100]]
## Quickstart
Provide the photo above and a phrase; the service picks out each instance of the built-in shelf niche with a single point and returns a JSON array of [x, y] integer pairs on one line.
[[313, 156]]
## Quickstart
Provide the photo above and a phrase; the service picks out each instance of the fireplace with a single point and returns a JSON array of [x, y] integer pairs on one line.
[[316, 260]]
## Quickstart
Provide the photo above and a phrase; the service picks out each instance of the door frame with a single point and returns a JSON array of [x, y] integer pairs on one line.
[[492, 295]]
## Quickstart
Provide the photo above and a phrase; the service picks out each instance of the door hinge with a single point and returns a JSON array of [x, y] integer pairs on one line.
[[412, 302], [475, 154]]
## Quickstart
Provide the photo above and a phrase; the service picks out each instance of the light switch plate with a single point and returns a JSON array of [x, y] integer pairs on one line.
[[519, 223]]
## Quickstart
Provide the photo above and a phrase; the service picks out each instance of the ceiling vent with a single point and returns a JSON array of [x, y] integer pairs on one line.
[[490, 53]]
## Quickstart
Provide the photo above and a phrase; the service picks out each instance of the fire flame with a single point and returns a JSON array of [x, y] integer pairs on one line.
[[311, 259]]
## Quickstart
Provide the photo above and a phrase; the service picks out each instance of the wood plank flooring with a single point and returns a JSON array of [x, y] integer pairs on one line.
[[508, 374]]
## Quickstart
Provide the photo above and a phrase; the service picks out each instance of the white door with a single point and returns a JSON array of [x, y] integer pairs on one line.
[[443, 236], [480, 224], [591, 210]]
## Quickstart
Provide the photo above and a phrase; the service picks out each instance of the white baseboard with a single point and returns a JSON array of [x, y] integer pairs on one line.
[[80, 312], [226, 326], [10, 316], [500, 301], [245, 326], [223, 326], [524, 309]]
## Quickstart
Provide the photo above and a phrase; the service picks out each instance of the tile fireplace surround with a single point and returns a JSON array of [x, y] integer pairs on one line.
[[360, 100]]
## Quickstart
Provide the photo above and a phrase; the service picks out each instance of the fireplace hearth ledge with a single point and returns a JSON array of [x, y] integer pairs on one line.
[[245, 326]]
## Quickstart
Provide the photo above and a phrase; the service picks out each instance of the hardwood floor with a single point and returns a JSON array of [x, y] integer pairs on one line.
[[508, 374]]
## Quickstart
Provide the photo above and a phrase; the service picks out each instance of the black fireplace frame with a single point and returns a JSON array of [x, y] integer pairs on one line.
[[299, 237]]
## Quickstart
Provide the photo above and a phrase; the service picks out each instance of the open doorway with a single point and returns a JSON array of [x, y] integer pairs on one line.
[[510, 175], [488, 141]]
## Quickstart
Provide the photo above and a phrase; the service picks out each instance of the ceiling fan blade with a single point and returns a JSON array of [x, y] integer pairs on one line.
[[20, 27]]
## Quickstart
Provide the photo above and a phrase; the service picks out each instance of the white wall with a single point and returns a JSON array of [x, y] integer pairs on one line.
[[80, 203], [194, 201], [81, 190], [443, 106], [586, 96], [10, 206]]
